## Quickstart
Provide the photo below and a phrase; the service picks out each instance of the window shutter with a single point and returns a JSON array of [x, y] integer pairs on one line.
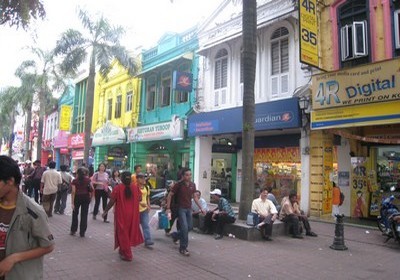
[[396, 20], [216, 98], [344, 42], [274, 86], [285, 55], [275, 58], [217, 75], [223, 96], [224, 73], [285, 83], [359, 38]]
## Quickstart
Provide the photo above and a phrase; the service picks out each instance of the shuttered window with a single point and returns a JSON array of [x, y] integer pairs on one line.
[[279, 62], [220, 77]]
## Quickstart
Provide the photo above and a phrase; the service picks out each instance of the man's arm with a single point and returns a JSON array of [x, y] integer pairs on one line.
[[196, 200], [8, 263]]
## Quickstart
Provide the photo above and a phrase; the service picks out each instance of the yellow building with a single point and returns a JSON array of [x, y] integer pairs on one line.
[[355, 122], [115, 108]]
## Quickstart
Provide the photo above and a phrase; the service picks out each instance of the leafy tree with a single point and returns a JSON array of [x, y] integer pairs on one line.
[[20, 12], [8, 113], [102, 45], [249, 19]]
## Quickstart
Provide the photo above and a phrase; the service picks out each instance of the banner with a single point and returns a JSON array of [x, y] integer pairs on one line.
[[65, 117], [359, 192], [309, 35]]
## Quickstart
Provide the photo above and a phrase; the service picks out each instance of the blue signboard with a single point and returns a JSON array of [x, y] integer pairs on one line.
[[182, 81], [268, 116]]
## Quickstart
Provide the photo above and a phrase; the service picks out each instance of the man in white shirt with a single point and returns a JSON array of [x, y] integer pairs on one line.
[[267, 214], [49, 187], [197, 213]]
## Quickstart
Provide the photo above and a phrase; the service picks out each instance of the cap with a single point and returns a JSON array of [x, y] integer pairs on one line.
[[140, 175], [216, 192], [28, 161]]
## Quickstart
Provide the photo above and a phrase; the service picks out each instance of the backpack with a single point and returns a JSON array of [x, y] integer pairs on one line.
[[341, 198], [252, 219]]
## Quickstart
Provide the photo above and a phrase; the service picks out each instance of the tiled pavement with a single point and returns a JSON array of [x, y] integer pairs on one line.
[[93, 257]]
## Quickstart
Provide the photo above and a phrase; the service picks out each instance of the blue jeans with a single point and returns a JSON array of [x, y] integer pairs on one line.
[[144, 222], [186, 224]]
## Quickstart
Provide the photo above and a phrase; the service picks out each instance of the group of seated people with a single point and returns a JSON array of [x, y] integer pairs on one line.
[[265, 206]]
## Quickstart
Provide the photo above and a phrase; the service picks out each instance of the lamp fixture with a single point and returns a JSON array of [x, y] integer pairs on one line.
[[304, 103]]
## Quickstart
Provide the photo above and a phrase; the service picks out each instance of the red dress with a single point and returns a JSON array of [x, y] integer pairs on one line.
[[126, 220]]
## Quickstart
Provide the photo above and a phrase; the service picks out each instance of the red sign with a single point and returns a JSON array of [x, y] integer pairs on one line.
[[76, 140], [64, 151], [77, 154]]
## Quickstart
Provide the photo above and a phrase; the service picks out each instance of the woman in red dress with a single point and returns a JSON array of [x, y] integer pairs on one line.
[[127, 233]]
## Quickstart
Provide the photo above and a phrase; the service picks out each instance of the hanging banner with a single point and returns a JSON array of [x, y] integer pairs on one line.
[[65, 117], [309, 35], [359, 192], [328, 169]]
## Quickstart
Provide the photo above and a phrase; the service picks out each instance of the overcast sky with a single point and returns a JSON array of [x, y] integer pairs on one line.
[[145, 21]]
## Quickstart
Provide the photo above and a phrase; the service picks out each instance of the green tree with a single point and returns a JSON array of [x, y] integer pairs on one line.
[[8, 113], [249, 20], [102, 45], [19, 13]]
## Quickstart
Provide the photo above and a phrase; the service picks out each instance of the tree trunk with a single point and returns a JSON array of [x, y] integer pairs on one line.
[[28, 112], [42, 109], [89, 108], [11, 140], [249, 21]]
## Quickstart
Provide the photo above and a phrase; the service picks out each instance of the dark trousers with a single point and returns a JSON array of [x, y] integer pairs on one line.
[[293, 222], [103, 195], [220, 221], [266, 229], [61, 201], [36, 189], [83, 203], [48, 202]]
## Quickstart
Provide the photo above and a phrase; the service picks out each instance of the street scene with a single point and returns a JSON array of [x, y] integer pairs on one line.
[[271, 127]]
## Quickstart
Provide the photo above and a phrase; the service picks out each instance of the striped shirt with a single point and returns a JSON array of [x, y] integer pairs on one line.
[[223, 205]]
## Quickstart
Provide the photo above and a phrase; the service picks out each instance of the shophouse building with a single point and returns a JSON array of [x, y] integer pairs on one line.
[[280, 80], [116, 109], [168, 92], [355, 120], [49, 131]]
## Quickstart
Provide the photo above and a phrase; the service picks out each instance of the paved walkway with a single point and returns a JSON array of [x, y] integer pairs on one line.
[[93, 257]]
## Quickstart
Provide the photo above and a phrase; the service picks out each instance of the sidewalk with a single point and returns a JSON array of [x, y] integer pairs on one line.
[[93, 257]]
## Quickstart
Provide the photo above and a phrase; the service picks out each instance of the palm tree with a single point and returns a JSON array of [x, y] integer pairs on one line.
[[102, 45], [249, 21], [8, 112]]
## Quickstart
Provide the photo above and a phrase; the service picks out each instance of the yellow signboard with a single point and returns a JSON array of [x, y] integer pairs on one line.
[[309, 32], [377, 82], [65, 117], [362, 115]]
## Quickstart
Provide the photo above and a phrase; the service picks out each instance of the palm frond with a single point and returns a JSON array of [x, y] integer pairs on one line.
[[70, 40]]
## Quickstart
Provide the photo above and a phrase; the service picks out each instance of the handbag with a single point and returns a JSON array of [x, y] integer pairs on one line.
[[252, 219], [163, 222]]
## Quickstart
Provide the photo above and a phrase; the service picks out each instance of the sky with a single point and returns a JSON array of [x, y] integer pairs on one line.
[[144, 21]]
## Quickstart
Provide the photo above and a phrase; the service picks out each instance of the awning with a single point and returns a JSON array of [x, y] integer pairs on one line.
[[188, 56]]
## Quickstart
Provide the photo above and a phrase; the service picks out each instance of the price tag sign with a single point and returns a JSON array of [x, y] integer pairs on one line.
[[309, 35]]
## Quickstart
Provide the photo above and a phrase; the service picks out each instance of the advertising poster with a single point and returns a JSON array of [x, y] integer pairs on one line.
[[328, 169], [359, 187]]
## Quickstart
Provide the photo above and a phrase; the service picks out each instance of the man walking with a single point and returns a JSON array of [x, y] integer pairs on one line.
[[144, 208], [36, 177], [49, 186], [267, 214], [25, 235], [184, 191]]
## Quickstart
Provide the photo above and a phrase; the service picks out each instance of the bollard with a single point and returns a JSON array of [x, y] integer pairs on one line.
[[338, 241]]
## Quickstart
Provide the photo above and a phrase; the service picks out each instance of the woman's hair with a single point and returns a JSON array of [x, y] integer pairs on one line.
[[100, 164], [113, 173], [126, 180], [81, 173]]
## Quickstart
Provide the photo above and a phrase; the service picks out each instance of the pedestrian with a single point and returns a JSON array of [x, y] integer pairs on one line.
[[137, 169], [35, 178], [115, 178], [21, 253], [62, 193], [144, 209], [126, 197], [81, 194], [28, 170], [267, 213], [50, 181], [100, 184], [184, 191], [335, 200], [223, 214]]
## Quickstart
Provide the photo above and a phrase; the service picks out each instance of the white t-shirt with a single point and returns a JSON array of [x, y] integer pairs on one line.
[[51, 179]]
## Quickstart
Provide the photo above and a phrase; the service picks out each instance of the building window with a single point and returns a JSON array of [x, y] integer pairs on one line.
[[220, 77], [109, 109], [151, 94], [118, 107], [182, 96], [280, 62], [165, 89], [129, 99], [353, 33], [396, 19]]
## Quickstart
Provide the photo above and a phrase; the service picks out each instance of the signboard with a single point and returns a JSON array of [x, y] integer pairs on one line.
[[359, 192], [182, 81], [61, 139], [362, 115], [328, 169], [378, 82], [109, 134], [65, 117], [167, 130], [309, 35], [76, 140], [77, 154]]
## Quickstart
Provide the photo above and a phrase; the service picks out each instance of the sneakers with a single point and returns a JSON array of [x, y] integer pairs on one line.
[[149, 244], [313, 234], [184, 252], [218, 236], [175, 238]]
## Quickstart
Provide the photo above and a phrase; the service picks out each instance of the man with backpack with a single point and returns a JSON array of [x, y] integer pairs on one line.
[[62, 192], [184, 191]]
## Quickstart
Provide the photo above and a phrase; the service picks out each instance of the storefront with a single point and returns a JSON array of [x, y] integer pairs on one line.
[[161, 149], [360, 107], [111, 147], [61, 151], [77, 143], [277, 126]]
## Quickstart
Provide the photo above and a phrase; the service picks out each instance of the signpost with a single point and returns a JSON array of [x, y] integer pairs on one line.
[[309, 35]]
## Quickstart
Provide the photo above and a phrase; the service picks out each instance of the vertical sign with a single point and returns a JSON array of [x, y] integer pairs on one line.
[[65, 117], [309, 35], [328, 169], [359, 183]]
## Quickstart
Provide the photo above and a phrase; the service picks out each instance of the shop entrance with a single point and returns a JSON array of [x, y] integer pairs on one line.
[[221, 173]]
